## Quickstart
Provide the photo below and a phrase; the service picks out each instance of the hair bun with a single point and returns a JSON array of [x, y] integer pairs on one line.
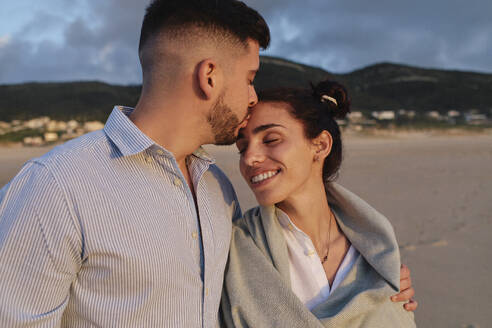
[[334, 97]]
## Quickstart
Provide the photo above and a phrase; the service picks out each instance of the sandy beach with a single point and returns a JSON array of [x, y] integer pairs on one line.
[[437, 192]]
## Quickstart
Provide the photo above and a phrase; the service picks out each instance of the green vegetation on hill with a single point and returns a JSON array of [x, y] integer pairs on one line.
[[389, 87], [378, 87], [82, 101]]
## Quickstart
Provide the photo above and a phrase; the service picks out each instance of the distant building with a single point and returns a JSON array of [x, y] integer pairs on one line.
[[55, 126], [72, 125], [454, 113], [4, 128], [50, 137], [386, 115], [476, 119], [342, 122], [433, 115], [355, 117], [33, 141], [37, 123], [93, 126], [407, 113]]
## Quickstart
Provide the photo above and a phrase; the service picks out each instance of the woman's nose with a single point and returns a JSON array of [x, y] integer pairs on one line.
[[252, 157]]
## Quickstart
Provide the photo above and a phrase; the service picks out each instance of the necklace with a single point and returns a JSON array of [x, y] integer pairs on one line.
[[325, 258]]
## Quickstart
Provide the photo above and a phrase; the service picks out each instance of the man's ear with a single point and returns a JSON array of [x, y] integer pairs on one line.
[[322, 145], [208, 78]]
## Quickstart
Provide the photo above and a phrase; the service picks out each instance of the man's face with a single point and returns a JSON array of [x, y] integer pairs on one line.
[[231, 110]]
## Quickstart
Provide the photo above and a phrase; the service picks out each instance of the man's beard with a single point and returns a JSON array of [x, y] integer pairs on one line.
[[223, 122]]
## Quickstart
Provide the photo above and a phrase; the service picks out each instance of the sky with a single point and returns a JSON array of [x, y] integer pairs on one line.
[[62, 40]]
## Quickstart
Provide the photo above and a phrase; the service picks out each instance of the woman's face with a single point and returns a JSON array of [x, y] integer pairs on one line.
[[277, 160]]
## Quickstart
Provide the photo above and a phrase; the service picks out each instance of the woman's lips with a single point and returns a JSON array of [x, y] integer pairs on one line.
[[263, 177]]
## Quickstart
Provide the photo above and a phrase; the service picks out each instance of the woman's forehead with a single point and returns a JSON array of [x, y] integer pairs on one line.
[[269, 110], [268, 115]]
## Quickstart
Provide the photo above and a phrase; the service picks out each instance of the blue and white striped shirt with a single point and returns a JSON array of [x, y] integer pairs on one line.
[[103, 231]]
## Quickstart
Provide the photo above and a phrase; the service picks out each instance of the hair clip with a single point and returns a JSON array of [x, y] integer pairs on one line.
[[325, 98]]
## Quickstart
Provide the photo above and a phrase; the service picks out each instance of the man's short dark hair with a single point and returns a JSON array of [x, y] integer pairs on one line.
[[228, 17]]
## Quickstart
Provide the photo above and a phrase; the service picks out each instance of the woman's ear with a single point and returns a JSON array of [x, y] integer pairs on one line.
[[208, 77], [322, 146]]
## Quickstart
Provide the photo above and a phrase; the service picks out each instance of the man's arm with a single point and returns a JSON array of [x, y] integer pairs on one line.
[[39, 250], [406, 290]]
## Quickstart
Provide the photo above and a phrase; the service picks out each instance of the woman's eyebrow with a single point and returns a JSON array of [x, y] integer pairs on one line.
[[264, 127], [259, 129]]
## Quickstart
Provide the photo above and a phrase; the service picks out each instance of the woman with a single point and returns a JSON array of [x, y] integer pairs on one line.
[[312, 254]]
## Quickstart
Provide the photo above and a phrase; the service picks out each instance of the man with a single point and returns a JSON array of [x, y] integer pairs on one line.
[[130, 226]]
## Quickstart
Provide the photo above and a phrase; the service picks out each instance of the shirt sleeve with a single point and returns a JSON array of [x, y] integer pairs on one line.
[[40, 249]]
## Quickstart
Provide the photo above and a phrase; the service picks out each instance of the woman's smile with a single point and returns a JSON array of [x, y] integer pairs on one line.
[[263, 178]]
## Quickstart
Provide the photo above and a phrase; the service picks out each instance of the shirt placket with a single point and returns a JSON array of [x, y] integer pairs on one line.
[[197, 168], [190, 216], [312, 257]]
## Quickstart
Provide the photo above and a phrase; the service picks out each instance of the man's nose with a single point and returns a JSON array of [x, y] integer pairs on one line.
[[253, 97]]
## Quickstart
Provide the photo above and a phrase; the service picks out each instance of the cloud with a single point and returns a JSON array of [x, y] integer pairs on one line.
[[343, 36], [4, 40], [98, 44], [98, 40]]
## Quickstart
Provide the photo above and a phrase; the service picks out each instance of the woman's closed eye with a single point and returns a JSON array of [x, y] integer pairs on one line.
[[270, 141]]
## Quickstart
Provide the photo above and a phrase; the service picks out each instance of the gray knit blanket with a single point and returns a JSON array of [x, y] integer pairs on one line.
[[257, 291]]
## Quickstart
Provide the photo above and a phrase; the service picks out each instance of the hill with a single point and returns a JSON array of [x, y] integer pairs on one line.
[[382, 86], [82, 101], [390, 86]]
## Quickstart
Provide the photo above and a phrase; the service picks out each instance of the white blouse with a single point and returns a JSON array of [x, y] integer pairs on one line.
[[307, 275]]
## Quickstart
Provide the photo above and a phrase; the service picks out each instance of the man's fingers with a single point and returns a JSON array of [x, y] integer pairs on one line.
[[411, 305], [404, 272], [407, 291], [404, 295], [405, 283]]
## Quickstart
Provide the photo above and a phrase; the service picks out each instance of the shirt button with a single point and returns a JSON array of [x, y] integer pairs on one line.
[[177, 182], [310, 252], [148, 159], [159, 152], [291, 227], [206, 291], [194, 235]]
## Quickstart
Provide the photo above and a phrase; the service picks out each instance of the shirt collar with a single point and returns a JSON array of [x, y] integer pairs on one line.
[[124, 133], [131, 141], [288, 225], [202, 154], [300, 236]]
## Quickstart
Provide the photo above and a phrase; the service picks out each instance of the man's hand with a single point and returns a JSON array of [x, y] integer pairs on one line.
[[406, 290]]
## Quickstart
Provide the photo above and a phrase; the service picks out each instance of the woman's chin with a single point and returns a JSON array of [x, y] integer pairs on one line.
[[265, 199]]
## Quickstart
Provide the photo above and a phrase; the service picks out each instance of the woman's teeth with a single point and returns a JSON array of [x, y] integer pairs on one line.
[[261, 177]]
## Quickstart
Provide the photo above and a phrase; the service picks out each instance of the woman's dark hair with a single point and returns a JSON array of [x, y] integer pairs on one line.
[[317, 108]]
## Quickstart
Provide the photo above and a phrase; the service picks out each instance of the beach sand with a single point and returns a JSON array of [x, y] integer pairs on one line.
[[437, 192]]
